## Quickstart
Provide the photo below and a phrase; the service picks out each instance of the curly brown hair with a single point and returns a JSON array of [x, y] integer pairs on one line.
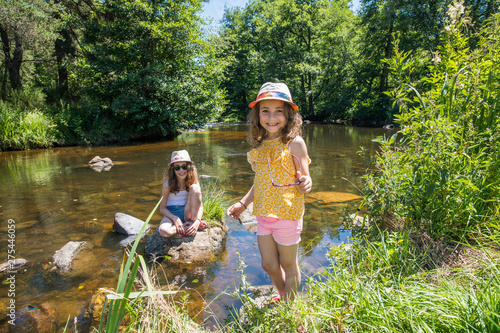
[[191, 178], [257, 133]]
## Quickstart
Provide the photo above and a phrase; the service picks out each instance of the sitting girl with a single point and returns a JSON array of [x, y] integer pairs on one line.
[[181, 202]]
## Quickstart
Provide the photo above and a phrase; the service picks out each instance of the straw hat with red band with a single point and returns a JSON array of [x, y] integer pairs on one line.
[[180, 156], [271, 90]]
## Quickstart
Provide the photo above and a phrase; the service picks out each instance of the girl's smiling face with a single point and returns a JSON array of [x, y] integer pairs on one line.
[[181, 173], [272, 117]]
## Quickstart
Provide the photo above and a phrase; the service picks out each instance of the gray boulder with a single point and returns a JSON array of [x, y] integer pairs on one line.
[[63, 258], [205, 245], [128, 225]]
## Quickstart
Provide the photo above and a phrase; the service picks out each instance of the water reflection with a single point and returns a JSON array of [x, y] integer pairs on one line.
[[54, 197]]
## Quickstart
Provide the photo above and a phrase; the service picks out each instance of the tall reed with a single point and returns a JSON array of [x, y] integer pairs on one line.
[[124, 299]]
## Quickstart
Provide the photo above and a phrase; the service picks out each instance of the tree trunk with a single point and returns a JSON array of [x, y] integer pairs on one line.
[[17, 60], [62, 71], [4, 83], [388, 50], [303, 87], [61, 52], [310, 98], [13, 63]]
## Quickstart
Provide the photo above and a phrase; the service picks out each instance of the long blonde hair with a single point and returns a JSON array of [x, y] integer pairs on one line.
[[257, 133], [191, 178]]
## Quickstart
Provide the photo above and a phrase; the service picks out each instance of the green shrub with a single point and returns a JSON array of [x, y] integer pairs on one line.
[[27, 99], [441, 172]]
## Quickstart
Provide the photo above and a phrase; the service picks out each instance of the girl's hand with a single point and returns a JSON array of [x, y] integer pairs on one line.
[[192, 227], [179, 226], [235, 210], [305, 183]]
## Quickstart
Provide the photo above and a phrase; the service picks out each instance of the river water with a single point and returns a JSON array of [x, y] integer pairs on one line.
[[54, 198]]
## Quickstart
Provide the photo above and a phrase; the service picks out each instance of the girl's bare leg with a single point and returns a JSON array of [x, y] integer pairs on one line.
[[270, 262], [167, 229], [290, 265], [194, 207]]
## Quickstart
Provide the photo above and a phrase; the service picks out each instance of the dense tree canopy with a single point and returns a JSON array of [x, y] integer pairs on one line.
[[146, 63], [26, 26], [302, 43], [332, 59], [107, 70]]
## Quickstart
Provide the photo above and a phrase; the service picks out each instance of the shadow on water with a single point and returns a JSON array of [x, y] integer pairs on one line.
[[54, 198]]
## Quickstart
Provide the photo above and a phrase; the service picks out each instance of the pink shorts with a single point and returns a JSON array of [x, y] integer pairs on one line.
[[285, 232]]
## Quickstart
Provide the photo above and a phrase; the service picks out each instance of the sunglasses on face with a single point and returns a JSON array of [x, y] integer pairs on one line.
[[178, 167], [271, 176]]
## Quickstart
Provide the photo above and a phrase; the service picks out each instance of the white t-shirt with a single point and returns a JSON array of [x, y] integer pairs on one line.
[[177, 199]]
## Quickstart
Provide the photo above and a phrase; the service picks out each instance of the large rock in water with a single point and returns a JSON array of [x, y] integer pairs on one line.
[[203, 246], [64, 256], [128, 225], [99, 164]]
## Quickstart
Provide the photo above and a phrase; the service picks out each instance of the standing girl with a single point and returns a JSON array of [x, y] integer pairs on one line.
[[281, 165], [181, 202]]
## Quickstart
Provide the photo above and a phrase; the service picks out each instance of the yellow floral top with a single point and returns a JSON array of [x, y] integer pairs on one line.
[[278, 202]]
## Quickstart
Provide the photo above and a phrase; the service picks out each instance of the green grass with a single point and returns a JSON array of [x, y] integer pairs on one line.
[[362, 291], [213, 203], [25, 130]]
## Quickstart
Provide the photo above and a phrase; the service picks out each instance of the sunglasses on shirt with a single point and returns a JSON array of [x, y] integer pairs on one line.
[[178, 167], [271, 176]]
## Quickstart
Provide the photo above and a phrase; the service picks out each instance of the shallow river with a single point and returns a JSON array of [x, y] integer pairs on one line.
[[54, 198]]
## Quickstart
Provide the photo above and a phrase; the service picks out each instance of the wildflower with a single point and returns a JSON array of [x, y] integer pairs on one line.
[[455, 10], [437, 59]]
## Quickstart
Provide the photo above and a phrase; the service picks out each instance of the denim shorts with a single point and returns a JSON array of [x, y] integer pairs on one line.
[[178, 211]]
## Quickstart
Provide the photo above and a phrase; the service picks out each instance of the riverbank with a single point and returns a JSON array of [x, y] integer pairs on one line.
[[380, 285], [24, 130], [385, 281]]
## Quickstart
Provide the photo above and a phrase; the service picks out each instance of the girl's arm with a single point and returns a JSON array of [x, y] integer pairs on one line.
[[165, 191], [235, 210], [298, 148]]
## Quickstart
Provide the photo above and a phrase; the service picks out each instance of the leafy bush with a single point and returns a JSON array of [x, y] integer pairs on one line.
[[27, 99], [441, 171]]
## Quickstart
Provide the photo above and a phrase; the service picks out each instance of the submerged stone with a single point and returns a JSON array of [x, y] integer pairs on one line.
[[331, 197], [34, 318], [12, 265]]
